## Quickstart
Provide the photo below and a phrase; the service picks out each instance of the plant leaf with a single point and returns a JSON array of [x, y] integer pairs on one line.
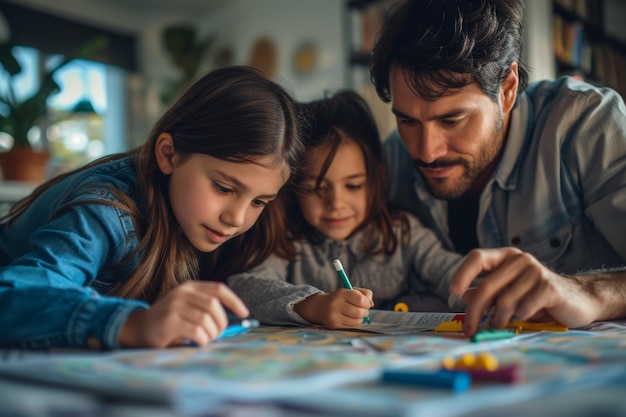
[[8, 61]]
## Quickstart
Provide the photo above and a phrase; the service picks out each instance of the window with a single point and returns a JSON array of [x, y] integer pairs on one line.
[[80, 125]]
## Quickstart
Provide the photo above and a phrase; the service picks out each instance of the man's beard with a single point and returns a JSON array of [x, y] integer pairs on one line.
[[445, 188], [452, 189]]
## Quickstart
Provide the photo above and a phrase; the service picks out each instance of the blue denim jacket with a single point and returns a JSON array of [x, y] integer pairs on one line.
[[55, 270], [559, 191]]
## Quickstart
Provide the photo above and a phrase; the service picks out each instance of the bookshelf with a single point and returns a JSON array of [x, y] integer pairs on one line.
[[363, 19], [583, 47]]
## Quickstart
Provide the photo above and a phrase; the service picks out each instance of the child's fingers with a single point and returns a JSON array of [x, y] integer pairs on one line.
[[203, 326], [200, 334], [227, 297], [345, 309], [367, 293], [192, 311], [358, 297], [210, 296], [192, 301], [346, 318], [354, 306]]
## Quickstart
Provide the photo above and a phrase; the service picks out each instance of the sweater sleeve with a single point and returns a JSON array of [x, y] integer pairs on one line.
[[433, 264], [268, 295]]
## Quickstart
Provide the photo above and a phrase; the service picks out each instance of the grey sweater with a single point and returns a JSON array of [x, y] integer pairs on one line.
[[271, 289]]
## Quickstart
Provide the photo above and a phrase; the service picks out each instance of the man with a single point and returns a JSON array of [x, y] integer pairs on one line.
[[538, 173]]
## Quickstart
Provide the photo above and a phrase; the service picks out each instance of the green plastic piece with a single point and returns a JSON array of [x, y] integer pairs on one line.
[[485, 335]]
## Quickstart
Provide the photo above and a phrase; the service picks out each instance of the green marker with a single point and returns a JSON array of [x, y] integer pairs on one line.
[[346, 282], [486, 335]]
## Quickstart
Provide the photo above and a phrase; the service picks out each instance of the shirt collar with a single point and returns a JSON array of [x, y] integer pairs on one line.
[[508, 171]]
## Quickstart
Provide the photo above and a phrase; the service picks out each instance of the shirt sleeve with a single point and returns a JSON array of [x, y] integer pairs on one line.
[[268, 295], [597, 160], [45, 294]]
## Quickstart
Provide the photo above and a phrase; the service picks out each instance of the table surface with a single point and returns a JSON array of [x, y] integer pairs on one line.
[[310, 371]]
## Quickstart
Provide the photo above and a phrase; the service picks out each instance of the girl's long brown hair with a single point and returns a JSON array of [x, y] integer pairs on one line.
[[346, 116], [234, 114]]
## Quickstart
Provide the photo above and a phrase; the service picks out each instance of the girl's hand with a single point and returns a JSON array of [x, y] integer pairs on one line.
[[341, 309], [192, 312]]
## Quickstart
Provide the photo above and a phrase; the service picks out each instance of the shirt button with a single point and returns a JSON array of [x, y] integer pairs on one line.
[[516, 240], [93, 343]]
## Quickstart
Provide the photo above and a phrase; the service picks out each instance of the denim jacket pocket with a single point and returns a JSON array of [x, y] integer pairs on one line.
[[551, 249]]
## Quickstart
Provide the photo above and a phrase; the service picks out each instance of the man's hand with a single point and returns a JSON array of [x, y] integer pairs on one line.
[[517, 286], [340, 309], [192, 312]]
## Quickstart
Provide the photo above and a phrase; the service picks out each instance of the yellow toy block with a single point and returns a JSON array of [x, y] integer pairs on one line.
[[552, 326], [401, 307], [469, 361], [450, 326]]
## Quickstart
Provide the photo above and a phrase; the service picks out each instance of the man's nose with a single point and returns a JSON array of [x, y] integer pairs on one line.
[[426, 144]]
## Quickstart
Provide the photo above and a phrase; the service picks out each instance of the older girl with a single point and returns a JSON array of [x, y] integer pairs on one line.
[[109, 255]]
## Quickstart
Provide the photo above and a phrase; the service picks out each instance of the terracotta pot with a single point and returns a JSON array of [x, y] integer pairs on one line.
[[24, 164]]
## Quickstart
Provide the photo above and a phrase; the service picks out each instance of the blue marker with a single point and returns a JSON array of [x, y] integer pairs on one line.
[[238, 326], [243, 326], [454, 380], [346, 282]]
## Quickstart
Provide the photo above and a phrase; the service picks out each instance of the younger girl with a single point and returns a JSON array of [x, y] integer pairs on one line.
[[338, 211], [108, 255]]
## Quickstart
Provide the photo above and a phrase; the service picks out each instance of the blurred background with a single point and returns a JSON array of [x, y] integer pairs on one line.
[[110, 95]]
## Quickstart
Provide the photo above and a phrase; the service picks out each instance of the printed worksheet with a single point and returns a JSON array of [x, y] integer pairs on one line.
[[394, 322]]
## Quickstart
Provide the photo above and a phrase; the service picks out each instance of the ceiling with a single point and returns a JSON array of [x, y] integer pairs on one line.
[[171, 7], [126, 15]]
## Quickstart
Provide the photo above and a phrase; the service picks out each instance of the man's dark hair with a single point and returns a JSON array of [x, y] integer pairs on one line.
[[447, 44]]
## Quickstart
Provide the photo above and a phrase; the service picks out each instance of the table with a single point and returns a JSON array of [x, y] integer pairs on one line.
[[297, 371]]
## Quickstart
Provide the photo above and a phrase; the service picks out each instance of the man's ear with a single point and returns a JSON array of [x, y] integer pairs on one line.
[[164, 153], [509, 89]]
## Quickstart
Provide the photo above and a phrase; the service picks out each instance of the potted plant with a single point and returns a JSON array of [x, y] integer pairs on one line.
[[186, 52], [22, 162]]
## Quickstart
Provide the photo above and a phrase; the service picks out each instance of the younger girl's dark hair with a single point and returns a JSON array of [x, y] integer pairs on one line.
[[346, 116], [235, 114]]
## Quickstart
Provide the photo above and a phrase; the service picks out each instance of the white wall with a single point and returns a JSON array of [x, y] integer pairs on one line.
[[537, 50], [238, 25], [288, 23]]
